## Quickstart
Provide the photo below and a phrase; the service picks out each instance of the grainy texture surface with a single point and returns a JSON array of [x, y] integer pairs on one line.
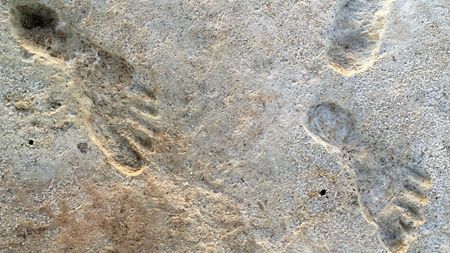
[[225, 126]]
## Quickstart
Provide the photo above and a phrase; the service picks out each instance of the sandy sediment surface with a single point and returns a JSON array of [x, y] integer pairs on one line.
[[224, 126]]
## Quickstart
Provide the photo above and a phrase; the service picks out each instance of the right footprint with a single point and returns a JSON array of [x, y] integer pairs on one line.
[[354, 36], [392, 187], [117, 101]]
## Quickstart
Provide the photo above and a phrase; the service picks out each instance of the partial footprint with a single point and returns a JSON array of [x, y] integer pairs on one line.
[[392, 187], [354, 36], [118, 102]]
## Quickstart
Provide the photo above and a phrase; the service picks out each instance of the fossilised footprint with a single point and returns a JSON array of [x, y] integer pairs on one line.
[[354, 36], [391, 187], [118, 103]]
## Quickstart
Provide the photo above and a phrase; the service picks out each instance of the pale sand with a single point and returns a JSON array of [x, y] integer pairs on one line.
[[224, 126]]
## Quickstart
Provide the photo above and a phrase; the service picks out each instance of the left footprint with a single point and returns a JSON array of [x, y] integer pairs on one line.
[[392, 187], [118, 103]]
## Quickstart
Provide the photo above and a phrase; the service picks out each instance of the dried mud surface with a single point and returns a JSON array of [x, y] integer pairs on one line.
[[224, 126]]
